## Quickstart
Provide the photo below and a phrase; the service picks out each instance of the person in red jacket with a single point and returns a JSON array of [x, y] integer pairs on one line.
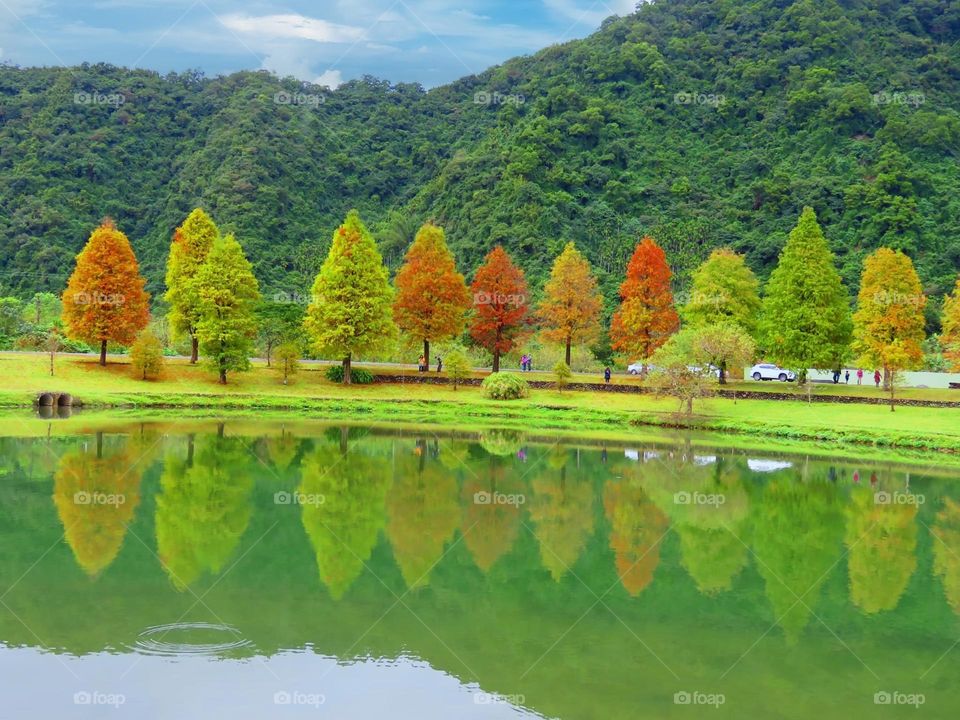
[[876, 378]]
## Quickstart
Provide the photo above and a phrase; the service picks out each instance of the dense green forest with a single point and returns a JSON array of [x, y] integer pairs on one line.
[[701, 122]]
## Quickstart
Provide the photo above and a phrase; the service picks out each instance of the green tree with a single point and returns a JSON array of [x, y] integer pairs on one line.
[[458, 367], [352, 306], [805, 322], [192, 241], [723, 345], [228, 294], [279, 323], [562, 375], [288, 360]]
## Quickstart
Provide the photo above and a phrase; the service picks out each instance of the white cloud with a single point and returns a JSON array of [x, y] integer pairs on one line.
[[331, 78], [292, 26]]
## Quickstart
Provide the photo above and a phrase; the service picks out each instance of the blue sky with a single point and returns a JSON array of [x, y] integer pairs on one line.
[[426, 41]]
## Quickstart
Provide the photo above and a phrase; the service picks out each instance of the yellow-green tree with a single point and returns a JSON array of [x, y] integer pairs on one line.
[[946, 551], [562, 514], [724, 290], [192, 242], [889, 323], [951, 328], [351, 309], [570, 309], [637, 528], [489, 528]]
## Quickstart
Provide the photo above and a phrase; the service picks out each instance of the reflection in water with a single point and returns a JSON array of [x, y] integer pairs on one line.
[[203, 508], [96, 492], [506, 545]]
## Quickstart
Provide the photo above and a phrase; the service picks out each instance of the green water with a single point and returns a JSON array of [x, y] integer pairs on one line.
[[312, 571]]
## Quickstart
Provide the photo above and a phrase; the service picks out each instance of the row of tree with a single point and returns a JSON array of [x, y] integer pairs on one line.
[[803, 319]]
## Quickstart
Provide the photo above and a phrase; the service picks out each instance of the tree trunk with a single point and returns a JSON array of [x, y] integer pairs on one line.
[[223, 375], [103, 353], [568, 352], [347, 373], [190, 444], [723, 373], [344, 437], [220, 427], [496, 361], [892, 390], [100, 445], [426, 355], [194, 350], [269, 348]]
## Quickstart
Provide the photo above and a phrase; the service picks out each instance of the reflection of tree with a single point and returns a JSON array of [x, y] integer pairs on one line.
[[562, 514], [797, 533], [882, 542], [344, 527], [637, 528], [96, 495], [505, 443], [423, 514], [282, 450], [203, 508], [946, 551], [489, 529]]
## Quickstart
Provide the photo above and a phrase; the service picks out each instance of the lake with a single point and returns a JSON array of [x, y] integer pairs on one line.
[[241, 569]]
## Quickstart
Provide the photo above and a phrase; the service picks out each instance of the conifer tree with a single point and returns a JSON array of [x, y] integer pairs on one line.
[[105, 300], [228, 294], [570, 309], [351, 309], [647, 316], [889, 325], [724, 290], [805, 319], [500, 301], [951, 328], [432, 297], [192, 242]]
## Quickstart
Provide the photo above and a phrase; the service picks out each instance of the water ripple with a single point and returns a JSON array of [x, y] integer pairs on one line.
[[184, 639]]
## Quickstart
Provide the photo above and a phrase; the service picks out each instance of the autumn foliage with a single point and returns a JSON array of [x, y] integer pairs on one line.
[[432, 297], [571, 305], [500, 319], [951, 328], [647, 316], [105, 300]]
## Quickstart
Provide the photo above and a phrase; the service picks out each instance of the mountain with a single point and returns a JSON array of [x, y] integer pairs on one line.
[[701, 122]]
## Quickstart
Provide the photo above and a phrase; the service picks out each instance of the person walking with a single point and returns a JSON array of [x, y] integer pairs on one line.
[[847, 377], [420, 363], [606, 375], [529, 363], [859, 376], [836, 377], [439, 364], [876, 378]]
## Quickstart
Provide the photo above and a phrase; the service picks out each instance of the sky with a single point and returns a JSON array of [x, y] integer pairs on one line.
[[327, 41]]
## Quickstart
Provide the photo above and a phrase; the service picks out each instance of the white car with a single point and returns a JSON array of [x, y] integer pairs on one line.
[[766, 371], [637, 368]]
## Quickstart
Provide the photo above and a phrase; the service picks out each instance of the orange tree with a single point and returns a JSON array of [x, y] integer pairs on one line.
[[432, 297], [105, 300], [889, 322], [951, 328], [570, 309], [647, 316], [500, 319]]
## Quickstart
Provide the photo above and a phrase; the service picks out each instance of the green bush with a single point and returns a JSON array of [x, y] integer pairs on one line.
[[358, 376], [505, 386]]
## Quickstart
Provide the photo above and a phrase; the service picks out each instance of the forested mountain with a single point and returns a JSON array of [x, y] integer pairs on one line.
[[701, 122]]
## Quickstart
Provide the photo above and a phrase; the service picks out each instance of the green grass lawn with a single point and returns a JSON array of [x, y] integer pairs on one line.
[[185, 386]]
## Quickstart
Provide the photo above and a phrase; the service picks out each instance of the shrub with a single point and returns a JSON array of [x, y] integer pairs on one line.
[[505, 386], [358, 376], [146, 355]]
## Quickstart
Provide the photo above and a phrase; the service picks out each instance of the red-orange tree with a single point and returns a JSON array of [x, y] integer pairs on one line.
[[647, 316], [500, 305], [105, 300], [432, 297], [571, 305]]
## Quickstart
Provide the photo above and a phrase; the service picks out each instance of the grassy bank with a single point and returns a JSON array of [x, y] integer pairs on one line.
[[194, 389]]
